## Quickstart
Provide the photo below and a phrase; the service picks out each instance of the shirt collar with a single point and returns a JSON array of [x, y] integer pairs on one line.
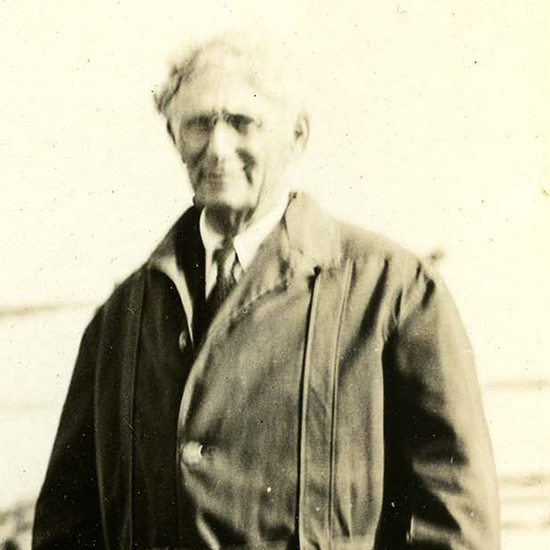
[[246, 242]]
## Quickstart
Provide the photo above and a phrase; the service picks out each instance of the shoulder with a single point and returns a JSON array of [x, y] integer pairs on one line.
[[376, 263], [350, 243], [123, 305], [127, 294], [360, 245]]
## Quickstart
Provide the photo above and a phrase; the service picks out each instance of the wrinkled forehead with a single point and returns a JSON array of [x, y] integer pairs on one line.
[[220, 79]]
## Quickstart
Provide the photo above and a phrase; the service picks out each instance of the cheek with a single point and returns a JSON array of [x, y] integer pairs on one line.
[[188, 152], [276, 159], [190, 156], [250, 158]]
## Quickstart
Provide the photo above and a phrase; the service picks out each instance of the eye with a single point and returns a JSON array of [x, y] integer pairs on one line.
[[199, 124], [241, 123]]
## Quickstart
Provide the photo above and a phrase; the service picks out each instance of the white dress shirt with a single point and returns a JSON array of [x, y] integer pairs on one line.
[[246, 243]]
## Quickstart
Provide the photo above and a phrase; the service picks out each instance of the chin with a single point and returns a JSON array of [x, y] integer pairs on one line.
[[236, 197]]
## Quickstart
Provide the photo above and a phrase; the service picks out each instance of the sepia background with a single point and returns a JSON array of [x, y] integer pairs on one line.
[[430, 124]]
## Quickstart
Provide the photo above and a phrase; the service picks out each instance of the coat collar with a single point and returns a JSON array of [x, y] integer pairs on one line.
[[305, 242], [313, 235]]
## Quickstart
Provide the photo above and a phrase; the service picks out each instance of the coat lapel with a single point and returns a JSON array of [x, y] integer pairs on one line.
[[269, 273], [166, 258], [305, 242]]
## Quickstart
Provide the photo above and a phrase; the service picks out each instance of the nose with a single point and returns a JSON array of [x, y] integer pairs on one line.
[[220, 144]]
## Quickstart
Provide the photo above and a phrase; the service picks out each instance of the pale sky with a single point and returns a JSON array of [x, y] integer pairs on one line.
[[429, 125]]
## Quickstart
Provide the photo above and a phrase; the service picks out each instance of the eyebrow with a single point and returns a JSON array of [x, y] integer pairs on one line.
[[207, 117], [197, 118], [241, 116]]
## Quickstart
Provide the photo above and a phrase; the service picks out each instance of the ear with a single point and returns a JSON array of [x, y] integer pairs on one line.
[[301, 132]]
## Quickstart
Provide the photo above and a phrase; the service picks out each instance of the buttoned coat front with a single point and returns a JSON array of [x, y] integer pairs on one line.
[[336, 384]]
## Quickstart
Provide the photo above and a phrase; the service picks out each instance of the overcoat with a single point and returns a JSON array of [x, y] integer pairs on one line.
[[333, 404]]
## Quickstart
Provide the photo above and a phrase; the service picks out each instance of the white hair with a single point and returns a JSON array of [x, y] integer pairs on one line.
[[271, 66]]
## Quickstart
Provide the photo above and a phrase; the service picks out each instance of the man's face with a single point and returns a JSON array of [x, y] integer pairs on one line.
[[235, 141]]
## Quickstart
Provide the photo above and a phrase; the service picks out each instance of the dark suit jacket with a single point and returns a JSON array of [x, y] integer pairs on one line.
[[332, 404]]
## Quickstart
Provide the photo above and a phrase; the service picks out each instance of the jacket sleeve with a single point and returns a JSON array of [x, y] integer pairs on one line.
[[451, 489], [67, 511]]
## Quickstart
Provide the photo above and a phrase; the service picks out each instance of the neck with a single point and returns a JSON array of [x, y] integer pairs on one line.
[[228, 222]]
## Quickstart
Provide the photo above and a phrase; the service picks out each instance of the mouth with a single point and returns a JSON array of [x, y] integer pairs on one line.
[[204, 175], [214, 172], [214, 179], [217, 177]]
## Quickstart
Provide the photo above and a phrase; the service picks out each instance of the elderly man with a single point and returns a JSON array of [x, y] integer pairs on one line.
[[270, 378]]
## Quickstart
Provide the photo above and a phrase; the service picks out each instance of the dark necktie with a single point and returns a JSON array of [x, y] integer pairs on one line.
[[226, 262]]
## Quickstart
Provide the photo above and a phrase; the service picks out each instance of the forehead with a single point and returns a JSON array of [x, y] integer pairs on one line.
[[227, 83]]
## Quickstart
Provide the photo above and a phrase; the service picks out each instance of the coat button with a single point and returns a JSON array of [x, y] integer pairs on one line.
[[191, 453], [183, 340]]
